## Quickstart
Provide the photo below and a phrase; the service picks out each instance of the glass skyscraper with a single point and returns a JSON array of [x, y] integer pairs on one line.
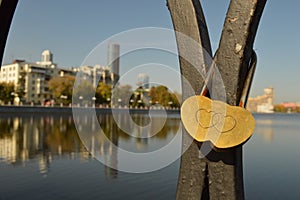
[[113, 60]]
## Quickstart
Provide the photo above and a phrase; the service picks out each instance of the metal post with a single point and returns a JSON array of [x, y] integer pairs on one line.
[[188, 18], [219, 175], [7, 9]]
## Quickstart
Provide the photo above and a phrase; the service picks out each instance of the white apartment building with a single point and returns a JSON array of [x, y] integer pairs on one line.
[[32, 78], [96, 74], [10, 73], [264, 103]]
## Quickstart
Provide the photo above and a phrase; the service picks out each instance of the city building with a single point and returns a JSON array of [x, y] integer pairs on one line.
[[289, 106], [113, 60], [143, 81], [12, 72], [262, 104], [31, 79], [108, 74], [96, 74], [47, 58]]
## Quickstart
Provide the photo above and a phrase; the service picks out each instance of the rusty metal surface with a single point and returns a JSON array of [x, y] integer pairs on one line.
[[7, 9], [236, 44], [220, 174], [188, 18], [232, 59]]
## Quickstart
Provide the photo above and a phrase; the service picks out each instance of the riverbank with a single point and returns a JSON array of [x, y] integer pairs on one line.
[[68, 110]]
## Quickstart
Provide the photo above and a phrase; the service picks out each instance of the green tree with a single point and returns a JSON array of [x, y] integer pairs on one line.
[[62, 88], [153, 94], [7, 92], [163, 95], [103, 93], [20, 90], [165, 98], [175, 99], [279, 108]]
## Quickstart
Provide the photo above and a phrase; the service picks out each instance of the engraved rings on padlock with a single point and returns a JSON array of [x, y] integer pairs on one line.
[[222, 123]]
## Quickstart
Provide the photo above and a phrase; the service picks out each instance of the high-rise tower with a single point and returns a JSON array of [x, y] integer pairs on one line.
[[113, 60], [143, 80]]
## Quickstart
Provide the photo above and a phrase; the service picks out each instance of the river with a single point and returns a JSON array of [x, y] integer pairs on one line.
[[43, 157]]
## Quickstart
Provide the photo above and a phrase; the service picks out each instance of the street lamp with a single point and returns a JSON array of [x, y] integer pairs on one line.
[[131, 103], [170, 104], [80, 100], [119, 102], [150, 103], [63, 97], [108, 101], [16, 98], [140, 102], [94, 101]]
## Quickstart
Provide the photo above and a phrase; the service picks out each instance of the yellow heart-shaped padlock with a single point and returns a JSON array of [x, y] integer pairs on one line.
[[224, 125]]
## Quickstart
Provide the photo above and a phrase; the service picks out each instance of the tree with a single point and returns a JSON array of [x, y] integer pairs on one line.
[[84, 92], [7, 92], [103, 93], [62, 88], [121, 95], [279, 108], [161, 95], [174, 98], [20, 89], [153, 94]]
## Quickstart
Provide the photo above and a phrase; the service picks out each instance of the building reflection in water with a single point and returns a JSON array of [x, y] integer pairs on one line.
[[46, 138], [265, 128], [104, 142], [37, 137]]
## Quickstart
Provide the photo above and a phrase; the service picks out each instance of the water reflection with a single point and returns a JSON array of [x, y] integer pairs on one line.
[[43, 138], [266, 129], [271, 158], [35, 146], [37, 137], [124, 146]]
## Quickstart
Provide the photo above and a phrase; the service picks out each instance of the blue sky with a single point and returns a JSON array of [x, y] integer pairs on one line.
[[72, 28]]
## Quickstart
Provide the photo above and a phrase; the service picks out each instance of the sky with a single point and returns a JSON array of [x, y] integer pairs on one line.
[[71, 29]]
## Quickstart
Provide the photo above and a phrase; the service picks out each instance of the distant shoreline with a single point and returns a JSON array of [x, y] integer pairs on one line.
[[68, 110], [21, 110]]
